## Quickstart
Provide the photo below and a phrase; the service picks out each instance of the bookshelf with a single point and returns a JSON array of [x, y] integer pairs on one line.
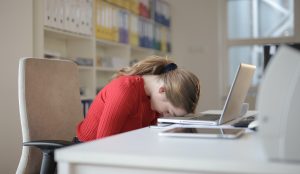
[[101, 36]]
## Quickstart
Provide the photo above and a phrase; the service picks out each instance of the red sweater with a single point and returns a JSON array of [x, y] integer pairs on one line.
[[120, 106]]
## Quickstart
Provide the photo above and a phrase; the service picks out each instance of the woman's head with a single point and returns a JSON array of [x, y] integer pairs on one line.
[[181, 87]]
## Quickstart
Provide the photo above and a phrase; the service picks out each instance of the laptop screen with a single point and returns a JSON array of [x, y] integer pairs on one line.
[[237, 93]]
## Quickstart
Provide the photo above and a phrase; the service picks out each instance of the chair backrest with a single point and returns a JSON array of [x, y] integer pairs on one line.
[[49, 103]]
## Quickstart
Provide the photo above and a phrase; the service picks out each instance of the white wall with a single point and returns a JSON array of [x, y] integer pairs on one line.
[[15, 42], [195, 45]]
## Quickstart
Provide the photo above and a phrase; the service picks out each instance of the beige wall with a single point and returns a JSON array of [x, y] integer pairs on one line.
[[195, 45], [15, 41]]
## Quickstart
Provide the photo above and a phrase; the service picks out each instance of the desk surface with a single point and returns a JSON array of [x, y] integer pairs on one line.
[[144, 149]]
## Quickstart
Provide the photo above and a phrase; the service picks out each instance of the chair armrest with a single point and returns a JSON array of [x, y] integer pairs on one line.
[[48, 145]]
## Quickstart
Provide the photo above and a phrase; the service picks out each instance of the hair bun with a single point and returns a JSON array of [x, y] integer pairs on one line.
[[169, 67]]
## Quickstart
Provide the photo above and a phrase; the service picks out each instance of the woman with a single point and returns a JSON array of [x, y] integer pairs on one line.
[[137, 96]]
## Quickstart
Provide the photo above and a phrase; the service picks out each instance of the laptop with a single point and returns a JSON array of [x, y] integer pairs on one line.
[[232, 106]]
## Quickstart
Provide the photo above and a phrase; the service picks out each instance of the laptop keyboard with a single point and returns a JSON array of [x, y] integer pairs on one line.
[[208, 117], [244, 122]]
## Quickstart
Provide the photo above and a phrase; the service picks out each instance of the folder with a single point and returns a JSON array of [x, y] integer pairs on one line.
[[133, 30]]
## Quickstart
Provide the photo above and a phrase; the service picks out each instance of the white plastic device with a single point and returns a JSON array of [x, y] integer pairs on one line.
[[278, 105]]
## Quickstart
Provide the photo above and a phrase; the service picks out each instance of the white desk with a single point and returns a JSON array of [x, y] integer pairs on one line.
[[143, 151]]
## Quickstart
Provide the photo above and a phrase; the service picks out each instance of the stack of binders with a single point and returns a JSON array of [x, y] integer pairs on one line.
[[133, 28], [111, 22], [69, 15], [162, 12]]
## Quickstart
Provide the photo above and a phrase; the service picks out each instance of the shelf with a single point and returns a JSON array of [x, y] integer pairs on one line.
[[106, 69], [62, 34], [107, 43], [149, 51], [147, 19], [58, 42], [82, 67], [142, 49], [162, 25]]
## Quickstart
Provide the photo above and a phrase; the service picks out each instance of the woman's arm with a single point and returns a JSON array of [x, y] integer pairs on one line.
[[119, 105]]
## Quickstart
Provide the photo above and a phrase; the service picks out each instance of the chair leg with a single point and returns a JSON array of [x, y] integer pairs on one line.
[[48, 164]]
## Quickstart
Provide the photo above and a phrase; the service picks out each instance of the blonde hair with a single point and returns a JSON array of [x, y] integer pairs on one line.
[[182, 87]]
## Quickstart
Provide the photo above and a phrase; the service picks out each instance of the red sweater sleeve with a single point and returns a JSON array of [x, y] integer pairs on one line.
[[110, 110], [119, 101]]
